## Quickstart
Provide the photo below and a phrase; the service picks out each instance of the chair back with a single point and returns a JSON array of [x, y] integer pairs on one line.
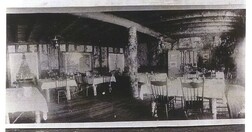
[[78, 78], [159, 90], [193, 93]]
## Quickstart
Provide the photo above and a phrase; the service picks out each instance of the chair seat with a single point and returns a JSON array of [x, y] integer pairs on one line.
[[193, 104], [193, 96], [164, 99], [61, 93]]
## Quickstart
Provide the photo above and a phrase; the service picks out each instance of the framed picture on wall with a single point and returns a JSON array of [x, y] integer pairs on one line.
[[11, 49], [21, 48], [111, 50], [62, 47], [88, 48], [33, 48], [116, 50], [80, 48], [71, 48], [121, 50]]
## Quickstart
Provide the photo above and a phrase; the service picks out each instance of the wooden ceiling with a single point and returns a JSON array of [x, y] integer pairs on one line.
[[111, 28]]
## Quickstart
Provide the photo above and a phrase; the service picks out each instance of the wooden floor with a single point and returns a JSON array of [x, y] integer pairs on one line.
[[228, 128], [118, 106]]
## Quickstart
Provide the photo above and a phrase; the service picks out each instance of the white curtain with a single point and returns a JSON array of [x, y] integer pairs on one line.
[[15, 60]]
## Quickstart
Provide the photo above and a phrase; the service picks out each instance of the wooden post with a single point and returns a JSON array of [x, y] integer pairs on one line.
[[131, 61]]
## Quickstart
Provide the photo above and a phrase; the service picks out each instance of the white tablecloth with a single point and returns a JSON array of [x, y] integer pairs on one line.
[[98, 80], [101, 79], [49, 83], [17, 100], [214, 88]]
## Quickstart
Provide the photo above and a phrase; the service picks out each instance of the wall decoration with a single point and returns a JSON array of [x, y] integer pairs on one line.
[[21, 48], [116, 50], [184, 43], [196, 42], [62, 47], [121, 50], [77, 62], [33, 48], [189, 43], [11, 49], [71, 48], [88, 48], [80, 48], [111, 50]]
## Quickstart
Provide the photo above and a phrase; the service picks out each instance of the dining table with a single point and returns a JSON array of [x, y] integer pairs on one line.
[[95, 80], [214, 88], [26, 99], [48, 84]]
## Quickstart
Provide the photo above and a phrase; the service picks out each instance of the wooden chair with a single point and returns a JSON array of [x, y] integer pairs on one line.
[[61, 89], [87, 84], [193, 96], [78, 77], [61, 93], [236, 101], [160, 97]]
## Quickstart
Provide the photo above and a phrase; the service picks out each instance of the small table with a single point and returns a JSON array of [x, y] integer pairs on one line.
[[47, 84], [98, 80], [20, 100]]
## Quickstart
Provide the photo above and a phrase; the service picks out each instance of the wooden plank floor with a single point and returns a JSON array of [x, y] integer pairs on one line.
[[118, 106]]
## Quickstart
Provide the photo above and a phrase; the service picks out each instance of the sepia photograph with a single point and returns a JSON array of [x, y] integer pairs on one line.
[[103, 65]]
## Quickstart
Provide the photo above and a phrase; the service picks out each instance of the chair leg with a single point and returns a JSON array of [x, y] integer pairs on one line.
[[186, 114], [229, 111], [86, 91], [58, 97], [166, 110], [154, 109]]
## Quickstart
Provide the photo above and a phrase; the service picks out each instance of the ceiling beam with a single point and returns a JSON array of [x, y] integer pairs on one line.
[[207, 30], [205, 14], [172, 28], [122, 22], [200, 23], [199, 20], [197, 34]]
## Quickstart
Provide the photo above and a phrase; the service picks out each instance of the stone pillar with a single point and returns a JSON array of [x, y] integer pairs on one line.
[[131, 61]]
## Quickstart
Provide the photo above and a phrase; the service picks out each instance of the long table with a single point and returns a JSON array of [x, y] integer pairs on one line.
[[47, 84], [99, 80], [213, 89], [25, 100]]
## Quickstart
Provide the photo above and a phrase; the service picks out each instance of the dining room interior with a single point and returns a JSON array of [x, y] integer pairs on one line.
[[125, 66]]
